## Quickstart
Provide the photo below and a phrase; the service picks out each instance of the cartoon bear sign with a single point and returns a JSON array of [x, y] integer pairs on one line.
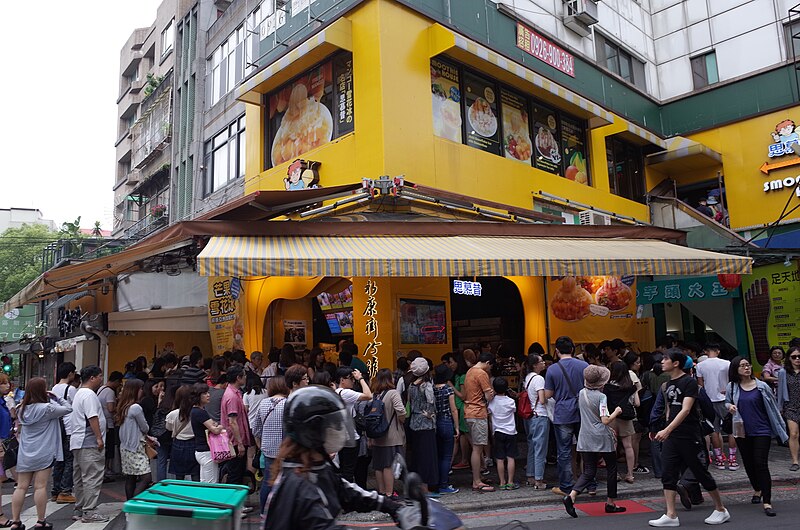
[[787, 141], [302, 175]]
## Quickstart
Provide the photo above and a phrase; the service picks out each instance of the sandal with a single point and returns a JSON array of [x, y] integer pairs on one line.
[[483, 488], [8, 522], [43, 525], [17, 525]]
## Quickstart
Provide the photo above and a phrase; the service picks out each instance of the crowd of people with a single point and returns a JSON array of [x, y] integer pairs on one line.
[[579, 410]]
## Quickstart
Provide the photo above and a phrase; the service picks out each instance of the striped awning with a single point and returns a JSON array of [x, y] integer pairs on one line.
[[444, 256]]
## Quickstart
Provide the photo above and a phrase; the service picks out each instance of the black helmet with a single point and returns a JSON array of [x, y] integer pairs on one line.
[[317, 418]]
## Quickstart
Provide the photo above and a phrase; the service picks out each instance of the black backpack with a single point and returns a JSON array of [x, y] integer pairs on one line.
[[375, 423]]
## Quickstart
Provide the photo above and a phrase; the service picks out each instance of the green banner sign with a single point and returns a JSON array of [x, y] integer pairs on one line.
[[18, 323], [689, 289]]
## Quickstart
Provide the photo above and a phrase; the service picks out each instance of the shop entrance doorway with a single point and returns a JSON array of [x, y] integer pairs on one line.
[[496, 316]]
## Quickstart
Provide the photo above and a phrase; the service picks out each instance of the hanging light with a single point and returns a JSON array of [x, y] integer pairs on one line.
[[729, 281]]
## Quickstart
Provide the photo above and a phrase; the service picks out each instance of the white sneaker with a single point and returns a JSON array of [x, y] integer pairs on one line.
[[664, 521], [718, 517], [94, 517]]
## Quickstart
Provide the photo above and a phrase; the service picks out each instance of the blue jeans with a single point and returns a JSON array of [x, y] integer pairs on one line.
[[445, 433], [538, 428], [62, 471], [265, 487], [161, 462], [564, 434]]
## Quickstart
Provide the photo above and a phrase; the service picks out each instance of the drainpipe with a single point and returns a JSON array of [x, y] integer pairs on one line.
[[89, 331]]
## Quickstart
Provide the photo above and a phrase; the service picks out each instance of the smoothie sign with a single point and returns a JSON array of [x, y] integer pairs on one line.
[[787, 142]]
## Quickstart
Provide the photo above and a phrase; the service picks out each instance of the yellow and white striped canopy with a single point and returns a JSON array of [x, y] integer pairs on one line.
[[411, 256]]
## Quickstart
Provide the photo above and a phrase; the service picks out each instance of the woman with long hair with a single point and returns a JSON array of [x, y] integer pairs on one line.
[[152, 394], [446, 424], [621, 392], [201, 423], [268, 428], [538, 426], [159, 431], [39, 416], [756, 421], [133, 429], [789, 401], [181, 459], [385, 448], [634, 363], [458, 365]]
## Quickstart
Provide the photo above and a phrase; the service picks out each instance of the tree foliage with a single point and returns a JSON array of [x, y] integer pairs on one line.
[[21, 256]]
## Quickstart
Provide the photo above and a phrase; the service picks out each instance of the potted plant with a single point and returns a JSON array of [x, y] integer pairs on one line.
[[158, 210]]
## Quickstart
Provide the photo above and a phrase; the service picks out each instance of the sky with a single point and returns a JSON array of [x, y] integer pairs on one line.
[[58, 110]]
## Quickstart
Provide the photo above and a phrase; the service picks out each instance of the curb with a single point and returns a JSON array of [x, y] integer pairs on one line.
[[492, 501]]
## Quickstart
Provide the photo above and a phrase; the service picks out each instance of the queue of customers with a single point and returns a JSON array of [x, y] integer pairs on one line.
[[465, 413]]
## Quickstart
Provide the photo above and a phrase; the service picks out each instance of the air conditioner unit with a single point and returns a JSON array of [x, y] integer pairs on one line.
[[591, 217], [579, 15], [134, 177]]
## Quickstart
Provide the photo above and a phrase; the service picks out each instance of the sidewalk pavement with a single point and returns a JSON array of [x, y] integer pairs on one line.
[[645, 485]]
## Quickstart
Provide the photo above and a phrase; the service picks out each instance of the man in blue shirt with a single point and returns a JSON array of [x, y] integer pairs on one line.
[[563, 381]]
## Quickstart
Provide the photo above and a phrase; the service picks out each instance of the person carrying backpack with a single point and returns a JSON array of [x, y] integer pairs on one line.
[[446, 424], [391, 443]]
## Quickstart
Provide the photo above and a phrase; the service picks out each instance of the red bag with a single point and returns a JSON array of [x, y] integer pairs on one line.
[[525, 409]]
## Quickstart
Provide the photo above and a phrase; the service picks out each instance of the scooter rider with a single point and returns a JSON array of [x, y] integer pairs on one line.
[[308, 493]]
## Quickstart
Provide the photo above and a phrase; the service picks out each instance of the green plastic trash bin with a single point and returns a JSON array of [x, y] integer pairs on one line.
[[185, 505]]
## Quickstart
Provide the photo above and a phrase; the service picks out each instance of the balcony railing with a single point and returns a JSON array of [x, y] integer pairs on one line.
[[156, 216]]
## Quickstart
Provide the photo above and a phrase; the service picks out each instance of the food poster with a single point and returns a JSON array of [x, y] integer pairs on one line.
[[225, 314], [771, 303], [546, 147], [446, 97], [343, 73], [294, 333], [480, 100], [299, 115], [573, 144], [517, 143], [592, 308]]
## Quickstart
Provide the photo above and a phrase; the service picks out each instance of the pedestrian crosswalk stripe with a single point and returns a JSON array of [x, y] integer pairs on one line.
[[110, 509], [29, 516]]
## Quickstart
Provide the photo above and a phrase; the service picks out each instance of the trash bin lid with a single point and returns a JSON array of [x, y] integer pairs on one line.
[[180, 498]]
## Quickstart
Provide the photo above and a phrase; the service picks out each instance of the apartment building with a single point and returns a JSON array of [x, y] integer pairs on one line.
[[16, 217]]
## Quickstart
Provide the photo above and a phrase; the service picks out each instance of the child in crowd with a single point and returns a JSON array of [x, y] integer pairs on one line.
[[502, 409]]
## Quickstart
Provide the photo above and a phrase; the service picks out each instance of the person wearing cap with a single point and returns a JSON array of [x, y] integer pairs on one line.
[[682, 440], [596, 439], [352, 388], [422, 424]]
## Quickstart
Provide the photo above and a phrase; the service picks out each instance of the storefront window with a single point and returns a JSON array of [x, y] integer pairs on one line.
[[478, 111], [310, 110], [625, 169]]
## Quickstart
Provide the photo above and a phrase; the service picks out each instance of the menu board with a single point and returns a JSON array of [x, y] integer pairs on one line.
[[573, 143], [545, 131], [446, 97], [516, 127], [481, 110], [772, 303]]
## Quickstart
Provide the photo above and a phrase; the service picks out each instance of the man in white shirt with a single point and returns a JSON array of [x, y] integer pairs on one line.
[[712, 374], [87, 442], [347, 379], [61, 491]]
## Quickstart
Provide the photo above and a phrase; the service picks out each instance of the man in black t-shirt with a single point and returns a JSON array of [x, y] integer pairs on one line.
[[683, 445]]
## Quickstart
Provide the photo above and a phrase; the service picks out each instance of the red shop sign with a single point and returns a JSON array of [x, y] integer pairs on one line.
[[544, 50]]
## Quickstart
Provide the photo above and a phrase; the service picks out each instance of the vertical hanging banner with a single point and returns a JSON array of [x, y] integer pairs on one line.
[[592, 308], [371, 327], [225, 314], [772, 303]]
